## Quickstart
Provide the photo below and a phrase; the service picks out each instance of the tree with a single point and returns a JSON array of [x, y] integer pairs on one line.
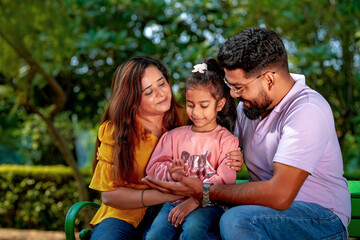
[[38, 65]]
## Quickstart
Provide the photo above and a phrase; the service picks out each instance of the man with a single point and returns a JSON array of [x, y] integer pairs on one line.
[[296, 188]]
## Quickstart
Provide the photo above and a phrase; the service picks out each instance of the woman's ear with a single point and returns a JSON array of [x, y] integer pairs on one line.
[[220, 104]]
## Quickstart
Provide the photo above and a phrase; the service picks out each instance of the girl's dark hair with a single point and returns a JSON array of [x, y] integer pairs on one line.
[[124, 101], [213, 78]]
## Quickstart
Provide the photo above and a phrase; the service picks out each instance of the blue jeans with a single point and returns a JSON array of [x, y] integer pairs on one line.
[[202, 223], [301, 221], [116, 229]]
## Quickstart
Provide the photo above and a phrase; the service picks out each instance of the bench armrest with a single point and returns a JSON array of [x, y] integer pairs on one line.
[[71, 217]]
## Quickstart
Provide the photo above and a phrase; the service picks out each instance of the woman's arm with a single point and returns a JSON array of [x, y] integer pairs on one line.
[[129, 198]]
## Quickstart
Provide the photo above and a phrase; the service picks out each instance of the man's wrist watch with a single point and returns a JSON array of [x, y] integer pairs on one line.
[[206, 197]]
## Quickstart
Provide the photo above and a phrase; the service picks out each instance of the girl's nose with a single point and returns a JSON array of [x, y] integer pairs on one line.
[[195, 112]]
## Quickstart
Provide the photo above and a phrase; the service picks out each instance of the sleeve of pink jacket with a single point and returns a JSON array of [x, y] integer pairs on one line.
[[163, 154], [224, 174]]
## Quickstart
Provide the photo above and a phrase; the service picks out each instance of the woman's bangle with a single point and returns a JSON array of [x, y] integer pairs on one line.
[[142, 198]]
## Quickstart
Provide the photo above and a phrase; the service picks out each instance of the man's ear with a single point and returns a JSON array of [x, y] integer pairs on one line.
[[270, 81], [220, 104]]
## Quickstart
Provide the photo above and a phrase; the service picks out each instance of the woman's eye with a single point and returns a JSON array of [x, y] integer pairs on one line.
[[148, 93], [203, 106], [162, 84]]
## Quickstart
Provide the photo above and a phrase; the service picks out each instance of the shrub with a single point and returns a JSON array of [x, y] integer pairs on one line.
[[38, 197]]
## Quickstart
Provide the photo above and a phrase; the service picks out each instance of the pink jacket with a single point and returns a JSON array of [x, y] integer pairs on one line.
[[204, 152]]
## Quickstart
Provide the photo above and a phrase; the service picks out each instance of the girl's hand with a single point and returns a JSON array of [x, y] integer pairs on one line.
[[184, 186], [235, 159], [178, 166], [181, 211]]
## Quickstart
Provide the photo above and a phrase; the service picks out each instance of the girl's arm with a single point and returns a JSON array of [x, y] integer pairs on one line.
[[224, 174], [130, 198], [178, 214], [162, 155]]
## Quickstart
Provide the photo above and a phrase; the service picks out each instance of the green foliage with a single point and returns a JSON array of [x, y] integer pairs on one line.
[[243, 174], [38, 197], [80, 43]]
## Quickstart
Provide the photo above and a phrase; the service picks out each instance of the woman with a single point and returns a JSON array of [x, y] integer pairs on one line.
[[140, 109]]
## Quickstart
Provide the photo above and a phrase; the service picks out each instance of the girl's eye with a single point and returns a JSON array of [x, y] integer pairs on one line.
[[162, 84], [203, 106], [189, 106]]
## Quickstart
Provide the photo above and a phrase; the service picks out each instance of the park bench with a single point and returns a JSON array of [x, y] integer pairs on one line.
[[353, 229]]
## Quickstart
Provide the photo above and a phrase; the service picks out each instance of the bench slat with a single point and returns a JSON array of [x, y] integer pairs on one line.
[[354, 228], [355, 208], [354, 187]]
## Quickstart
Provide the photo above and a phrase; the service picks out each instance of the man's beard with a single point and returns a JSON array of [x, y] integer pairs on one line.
[[257, 108]]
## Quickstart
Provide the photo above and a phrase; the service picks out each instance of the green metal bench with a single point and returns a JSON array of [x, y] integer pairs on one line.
[[71, 217], [353, 229], [354, 226]]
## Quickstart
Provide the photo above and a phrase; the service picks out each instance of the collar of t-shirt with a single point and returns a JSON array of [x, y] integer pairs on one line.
[[297, 87]]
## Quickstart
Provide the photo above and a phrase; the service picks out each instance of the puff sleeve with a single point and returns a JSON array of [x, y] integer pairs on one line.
[[103, 176]]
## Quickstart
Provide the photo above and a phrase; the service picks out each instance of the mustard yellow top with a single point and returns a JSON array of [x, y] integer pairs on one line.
[[103, 176]]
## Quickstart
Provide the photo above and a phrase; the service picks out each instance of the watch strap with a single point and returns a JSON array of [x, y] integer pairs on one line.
[[206, 196]]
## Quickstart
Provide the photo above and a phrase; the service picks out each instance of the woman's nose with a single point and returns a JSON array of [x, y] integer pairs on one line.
[[159, 92]]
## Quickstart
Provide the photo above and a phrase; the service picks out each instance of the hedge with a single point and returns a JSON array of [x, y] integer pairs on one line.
[[38, 197]]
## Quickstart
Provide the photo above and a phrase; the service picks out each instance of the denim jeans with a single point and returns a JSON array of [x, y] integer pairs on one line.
[[116, 229], [301, 221], [202, 223]]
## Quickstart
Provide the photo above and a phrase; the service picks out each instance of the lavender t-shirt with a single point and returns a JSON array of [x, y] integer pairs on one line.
[[299, 132]]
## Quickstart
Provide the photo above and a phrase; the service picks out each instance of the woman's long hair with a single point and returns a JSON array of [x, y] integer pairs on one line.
[[124, 101], [213, 79]]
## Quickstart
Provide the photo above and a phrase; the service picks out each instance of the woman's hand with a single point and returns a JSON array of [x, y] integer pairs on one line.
[[181, 211], [235, 159]]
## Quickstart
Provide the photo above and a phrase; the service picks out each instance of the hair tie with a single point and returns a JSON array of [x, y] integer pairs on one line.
[[200, 68]]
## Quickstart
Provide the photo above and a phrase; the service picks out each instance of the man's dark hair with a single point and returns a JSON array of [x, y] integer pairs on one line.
[[253, 50]]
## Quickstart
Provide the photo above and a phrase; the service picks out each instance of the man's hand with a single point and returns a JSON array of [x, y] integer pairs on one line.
[[186, 186], [181, 211], [178, 166], [235, 159]]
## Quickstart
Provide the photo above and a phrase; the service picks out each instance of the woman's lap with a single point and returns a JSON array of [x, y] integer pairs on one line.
[[116, 229], [113, 229]]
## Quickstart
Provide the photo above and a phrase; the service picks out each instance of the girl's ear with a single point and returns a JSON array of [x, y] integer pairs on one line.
[[220, 104]]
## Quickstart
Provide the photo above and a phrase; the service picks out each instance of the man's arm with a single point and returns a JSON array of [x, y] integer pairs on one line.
[[279, 192]]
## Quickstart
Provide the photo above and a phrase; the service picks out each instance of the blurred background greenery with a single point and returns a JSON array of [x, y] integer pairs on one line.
[[57, 58]]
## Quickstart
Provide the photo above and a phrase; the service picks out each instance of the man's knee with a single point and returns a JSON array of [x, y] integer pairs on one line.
[[235, 221]]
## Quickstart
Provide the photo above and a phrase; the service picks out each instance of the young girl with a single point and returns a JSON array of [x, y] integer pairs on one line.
[[197, 150]]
